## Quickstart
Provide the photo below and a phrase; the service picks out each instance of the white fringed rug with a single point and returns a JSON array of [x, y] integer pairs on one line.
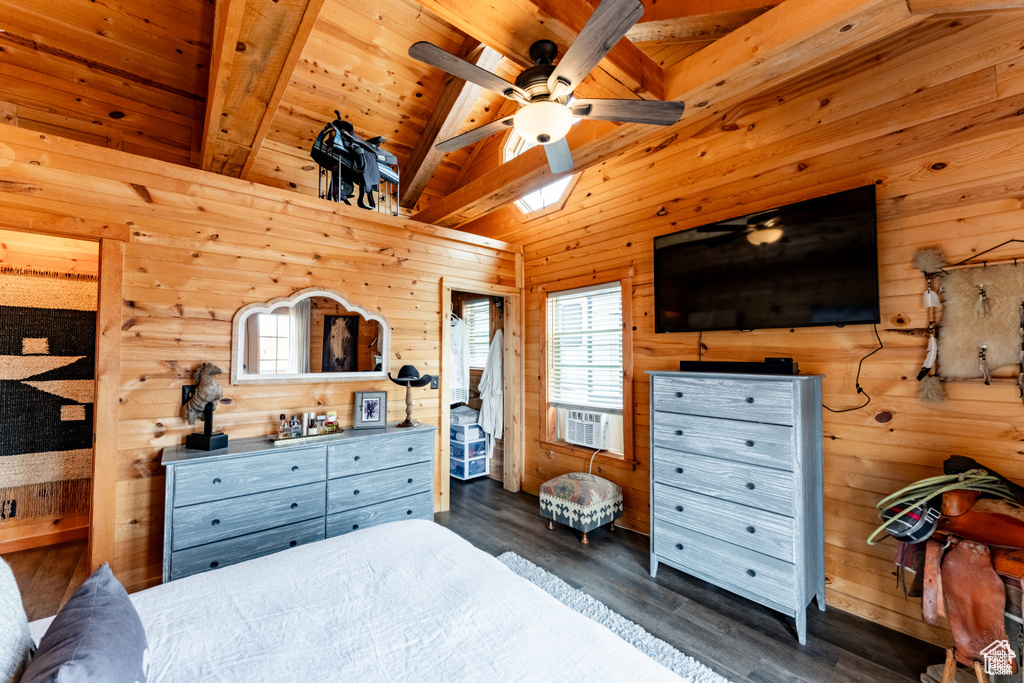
[[686, 667]]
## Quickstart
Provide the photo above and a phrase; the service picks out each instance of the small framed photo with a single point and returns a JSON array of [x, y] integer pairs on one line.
[[371, 410]]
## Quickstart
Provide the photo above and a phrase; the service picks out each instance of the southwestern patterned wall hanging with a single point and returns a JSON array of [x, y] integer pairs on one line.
[[47, 364]]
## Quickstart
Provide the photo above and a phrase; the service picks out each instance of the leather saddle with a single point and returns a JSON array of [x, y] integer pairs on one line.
[[978, 543]]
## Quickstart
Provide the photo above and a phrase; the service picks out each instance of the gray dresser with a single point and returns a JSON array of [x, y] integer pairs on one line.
[[253, 498], [736, 485]]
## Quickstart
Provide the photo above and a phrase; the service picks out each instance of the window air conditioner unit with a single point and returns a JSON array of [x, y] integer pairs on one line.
[[585, 428]]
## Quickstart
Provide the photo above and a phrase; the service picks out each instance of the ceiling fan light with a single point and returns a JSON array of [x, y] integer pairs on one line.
[[764, 236], [543, 122]]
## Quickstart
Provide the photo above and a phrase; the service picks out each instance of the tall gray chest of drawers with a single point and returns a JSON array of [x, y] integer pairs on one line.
[[736, 485], [253, 498]]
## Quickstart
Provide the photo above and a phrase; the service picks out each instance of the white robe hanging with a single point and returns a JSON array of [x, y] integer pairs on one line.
[[458, 356], [492, 409]]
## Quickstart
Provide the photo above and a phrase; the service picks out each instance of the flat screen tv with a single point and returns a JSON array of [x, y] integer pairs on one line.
[[807, 264]]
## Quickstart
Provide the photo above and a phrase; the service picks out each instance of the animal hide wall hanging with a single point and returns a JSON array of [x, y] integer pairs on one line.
[[981, 329]]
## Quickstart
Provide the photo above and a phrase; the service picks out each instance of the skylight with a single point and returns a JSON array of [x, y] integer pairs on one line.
[[550, 194]]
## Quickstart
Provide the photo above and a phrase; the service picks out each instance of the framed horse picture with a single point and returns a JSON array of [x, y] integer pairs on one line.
[[341, 337]]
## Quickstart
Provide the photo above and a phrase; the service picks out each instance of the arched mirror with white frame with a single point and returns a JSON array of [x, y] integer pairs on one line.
[[314, 335]]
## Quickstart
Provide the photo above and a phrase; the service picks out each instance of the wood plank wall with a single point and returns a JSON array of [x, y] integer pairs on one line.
[[201, 247], [934, 118], [20, 249]]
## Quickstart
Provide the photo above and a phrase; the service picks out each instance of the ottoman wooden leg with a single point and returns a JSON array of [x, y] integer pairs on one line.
[[613, 525], [584, 541], [551, 524]]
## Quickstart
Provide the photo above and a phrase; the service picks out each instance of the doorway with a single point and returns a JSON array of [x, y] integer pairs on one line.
[[48, 307], [483, 311]]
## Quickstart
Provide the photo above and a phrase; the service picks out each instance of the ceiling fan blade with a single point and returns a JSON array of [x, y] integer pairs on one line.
[[559, 156], [654, 112], [471, 136], [605, 27], [431, 54], [719, 227]]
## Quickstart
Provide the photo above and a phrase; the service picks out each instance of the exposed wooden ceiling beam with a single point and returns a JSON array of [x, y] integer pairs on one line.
[[455, 104], [659, 10], [257, 44], [962, 6], [227, 23], [695, 29], [780, 45], [511, 26]]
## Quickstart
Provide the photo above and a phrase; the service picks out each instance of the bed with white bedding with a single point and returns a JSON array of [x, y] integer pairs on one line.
[[405, 601]]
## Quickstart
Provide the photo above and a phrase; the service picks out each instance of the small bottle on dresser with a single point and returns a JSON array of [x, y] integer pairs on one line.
[[284, 430]]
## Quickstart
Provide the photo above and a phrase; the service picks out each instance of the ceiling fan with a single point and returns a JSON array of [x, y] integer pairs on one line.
[[544, 90], [760, 228]]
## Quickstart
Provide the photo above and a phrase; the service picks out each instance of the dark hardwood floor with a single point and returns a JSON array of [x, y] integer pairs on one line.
[[738, 638], [48, 576]]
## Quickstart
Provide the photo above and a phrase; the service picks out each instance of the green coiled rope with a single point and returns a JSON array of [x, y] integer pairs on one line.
[[924, 490]]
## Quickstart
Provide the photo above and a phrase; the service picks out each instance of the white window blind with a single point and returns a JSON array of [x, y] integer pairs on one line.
[[477, 315], [274, 343], [585, 349]]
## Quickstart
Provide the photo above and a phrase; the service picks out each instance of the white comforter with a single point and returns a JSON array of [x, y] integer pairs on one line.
[[407, 601]]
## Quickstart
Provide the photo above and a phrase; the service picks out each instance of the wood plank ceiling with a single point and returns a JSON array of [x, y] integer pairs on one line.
[[242, 87]]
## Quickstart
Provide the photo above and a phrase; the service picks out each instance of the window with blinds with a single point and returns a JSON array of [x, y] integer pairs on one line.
[[477, 315], [585, 349]]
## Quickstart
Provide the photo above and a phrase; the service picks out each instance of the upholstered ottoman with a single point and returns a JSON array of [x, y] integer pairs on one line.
[[581, 501]]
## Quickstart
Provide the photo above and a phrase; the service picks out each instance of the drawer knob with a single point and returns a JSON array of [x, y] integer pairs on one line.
[[214, 564], [408, 512], [751, 572], [679, 394], [356, 492], [410, 480], [354, 527], [679, 432], [410, 449], [293, 544], [679, 546], [216, 481], [356, 458], [679, 508], [215, 522], [751, 529], [750, 444], [295, 468], [750, 399], [751, 486], [294, 505], [679, 470]]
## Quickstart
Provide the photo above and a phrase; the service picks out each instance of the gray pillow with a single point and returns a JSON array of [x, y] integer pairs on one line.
[[96, 636], [15, 642]]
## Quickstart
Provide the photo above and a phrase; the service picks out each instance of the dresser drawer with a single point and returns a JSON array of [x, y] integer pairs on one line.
[[218, 520], [361, 490], [759, 487], [735, 399], [417, 506], [757, 443], [367, 455], [725, 564], [202, 482], [765, 532], [214, 555]]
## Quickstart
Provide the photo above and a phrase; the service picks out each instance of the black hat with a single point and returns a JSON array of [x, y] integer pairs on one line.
[[410, 376]]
